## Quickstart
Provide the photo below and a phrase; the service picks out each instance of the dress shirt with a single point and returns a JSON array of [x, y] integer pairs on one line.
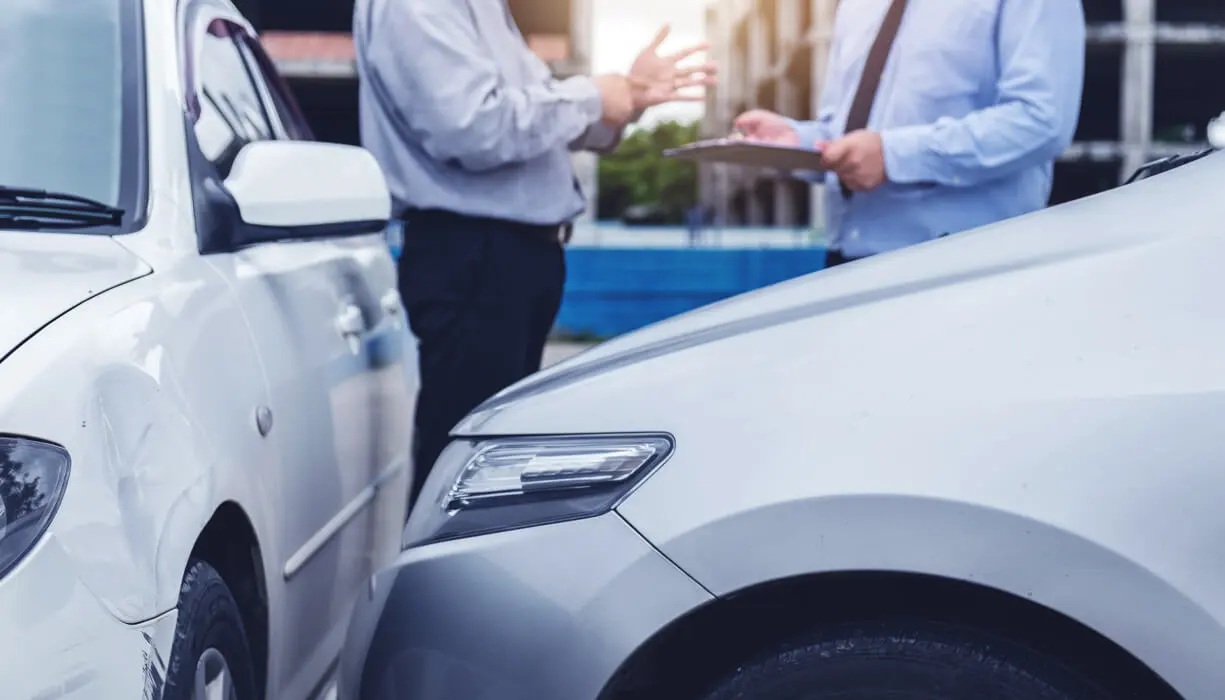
[[462, 116], [976, 101]]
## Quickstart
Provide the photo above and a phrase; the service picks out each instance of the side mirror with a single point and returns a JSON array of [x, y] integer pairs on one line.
[[1216, 132], [288, 190]]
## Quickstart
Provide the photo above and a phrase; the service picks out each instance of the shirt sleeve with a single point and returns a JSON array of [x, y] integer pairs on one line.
[[601, 138], [1041, 45], [431, 63], [812, 132]]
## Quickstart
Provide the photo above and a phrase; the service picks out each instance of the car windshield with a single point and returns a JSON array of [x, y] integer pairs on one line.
[[71, 120]]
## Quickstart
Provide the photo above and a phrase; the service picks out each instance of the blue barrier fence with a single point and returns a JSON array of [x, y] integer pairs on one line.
[[610, 291]]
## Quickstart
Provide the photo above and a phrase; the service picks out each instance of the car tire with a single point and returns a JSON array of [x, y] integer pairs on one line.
[[210, 643], [916, 661]]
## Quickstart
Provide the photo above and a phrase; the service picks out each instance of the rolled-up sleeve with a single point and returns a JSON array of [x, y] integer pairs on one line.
[[1041, 49], [429, 60]]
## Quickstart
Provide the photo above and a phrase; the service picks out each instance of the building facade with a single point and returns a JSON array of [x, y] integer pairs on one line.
[[1151, 88], [312, 45]]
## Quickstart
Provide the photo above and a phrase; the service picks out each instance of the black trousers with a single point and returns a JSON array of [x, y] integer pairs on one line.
[[481, 295]]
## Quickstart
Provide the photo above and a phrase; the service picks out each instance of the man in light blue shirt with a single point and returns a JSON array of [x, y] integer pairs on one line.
[[975, 101]]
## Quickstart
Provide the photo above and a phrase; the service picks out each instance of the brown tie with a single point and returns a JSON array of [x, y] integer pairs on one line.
[[865, 95]]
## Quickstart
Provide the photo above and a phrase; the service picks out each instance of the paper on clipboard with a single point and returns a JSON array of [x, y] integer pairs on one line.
[[738, 151]]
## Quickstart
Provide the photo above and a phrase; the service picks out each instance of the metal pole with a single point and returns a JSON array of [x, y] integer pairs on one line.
[[1139, 60]]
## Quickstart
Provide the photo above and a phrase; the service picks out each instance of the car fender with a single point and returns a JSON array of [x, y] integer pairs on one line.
[[1005, 551], [152, 388]]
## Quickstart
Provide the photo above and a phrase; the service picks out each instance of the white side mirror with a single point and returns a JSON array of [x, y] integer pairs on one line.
[[301, 186], [1216, 132]]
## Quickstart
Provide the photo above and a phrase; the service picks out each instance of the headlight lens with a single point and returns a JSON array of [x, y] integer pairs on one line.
[[33, 475], [483, 486]]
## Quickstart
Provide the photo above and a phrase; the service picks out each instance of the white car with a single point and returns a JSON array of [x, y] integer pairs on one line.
[[205, 389]]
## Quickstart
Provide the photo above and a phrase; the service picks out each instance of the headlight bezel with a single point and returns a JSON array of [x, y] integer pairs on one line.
[[16, 545], [435, 518]]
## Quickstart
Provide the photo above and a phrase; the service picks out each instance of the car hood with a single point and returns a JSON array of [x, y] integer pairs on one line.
[[44, 275], [1141, 214]]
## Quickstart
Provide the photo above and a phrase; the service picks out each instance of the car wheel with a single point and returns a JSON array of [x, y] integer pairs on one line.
[[211, 658], [904, 662]]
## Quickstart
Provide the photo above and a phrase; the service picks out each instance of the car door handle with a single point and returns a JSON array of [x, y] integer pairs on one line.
[[391, 302], [349, 322]]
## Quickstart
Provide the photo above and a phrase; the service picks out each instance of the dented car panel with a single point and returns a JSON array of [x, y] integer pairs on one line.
[[155, 445]]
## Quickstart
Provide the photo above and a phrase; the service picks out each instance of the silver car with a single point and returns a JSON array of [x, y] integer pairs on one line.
[[991, 466]]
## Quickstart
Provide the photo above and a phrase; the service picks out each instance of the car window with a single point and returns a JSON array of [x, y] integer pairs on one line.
[[282, 107], [70, 116], [231, 111]]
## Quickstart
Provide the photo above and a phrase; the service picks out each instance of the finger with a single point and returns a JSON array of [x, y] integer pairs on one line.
[[660, 37], [686, 53], [834, 155], [696, 82], [750, 119], [834, 158], [705, 69]]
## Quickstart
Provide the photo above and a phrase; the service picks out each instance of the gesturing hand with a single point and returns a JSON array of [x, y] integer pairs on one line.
[[659, 79]]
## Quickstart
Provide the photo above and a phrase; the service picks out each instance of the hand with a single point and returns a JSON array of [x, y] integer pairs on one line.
[[659, 79], [617, 98], [858, 159], [767, 127]]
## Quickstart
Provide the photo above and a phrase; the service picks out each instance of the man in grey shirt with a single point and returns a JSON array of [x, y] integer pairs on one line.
[[474, 135]]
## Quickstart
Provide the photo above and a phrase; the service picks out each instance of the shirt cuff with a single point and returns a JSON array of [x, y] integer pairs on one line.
[[908, 158], [809, 133], [600, 138]]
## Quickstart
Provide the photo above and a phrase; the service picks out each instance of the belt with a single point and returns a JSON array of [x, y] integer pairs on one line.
[[443, 218]]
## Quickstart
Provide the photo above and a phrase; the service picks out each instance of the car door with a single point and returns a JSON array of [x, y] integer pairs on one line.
[[312, 307], [374, 405]]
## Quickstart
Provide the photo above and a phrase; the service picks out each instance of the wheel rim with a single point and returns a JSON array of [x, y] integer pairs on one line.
[[213, 679]]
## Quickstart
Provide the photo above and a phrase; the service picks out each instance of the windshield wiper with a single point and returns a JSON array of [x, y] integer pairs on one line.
[[42, 209]]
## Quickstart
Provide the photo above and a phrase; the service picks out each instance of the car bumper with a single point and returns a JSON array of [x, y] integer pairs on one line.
[[546, 613], [60, 642]]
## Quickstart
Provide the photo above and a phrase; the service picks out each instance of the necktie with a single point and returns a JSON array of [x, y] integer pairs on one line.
[[874, 67]]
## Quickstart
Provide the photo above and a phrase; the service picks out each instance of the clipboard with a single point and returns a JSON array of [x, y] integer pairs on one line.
[[733, 151]]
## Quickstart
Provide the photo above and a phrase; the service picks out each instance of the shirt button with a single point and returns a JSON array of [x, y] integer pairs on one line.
[[854, 233]]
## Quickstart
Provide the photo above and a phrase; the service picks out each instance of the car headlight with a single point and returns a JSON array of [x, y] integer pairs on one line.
[[33, 475], [489, 485]]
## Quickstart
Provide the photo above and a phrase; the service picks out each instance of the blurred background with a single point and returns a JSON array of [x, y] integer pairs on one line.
[[661, 237]]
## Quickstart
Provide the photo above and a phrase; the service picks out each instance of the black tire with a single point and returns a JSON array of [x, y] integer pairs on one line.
[[209, 621], [896, 661]]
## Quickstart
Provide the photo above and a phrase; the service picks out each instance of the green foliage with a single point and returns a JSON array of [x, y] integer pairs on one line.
[[637, 174]]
